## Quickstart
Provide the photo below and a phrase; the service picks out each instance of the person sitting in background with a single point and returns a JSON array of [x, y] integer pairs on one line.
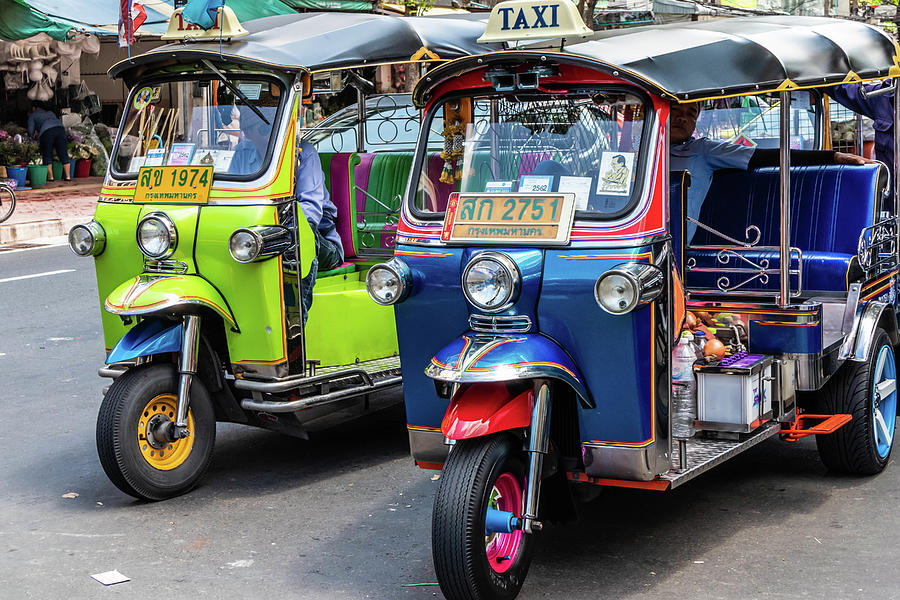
[[51, 135], [702, 156]]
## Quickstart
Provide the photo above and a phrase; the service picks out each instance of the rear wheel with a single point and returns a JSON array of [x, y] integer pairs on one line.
[[868, 392], [139, 405], [470, 563]]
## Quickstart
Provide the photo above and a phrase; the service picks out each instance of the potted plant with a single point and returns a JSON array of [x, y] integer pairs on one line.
[[15, 167], [7, 153], [83, 154], [37, 171]]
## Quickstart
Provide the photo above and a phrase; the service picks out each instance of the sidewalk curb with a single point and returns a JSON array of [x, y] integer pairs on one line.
[[32, 230]]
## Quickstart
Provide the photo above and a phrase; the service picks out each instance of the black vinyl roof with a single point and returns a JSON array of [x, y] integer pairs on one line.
[[320, 41], [710, 59]]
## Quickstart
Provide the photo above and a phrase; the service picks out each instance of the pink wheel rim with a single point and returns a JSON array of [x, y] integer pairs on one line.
[[502, 548]]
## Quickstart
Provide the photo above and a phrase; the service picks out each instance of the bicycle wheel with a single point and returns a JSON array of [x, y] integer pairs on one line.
[[7, 202]]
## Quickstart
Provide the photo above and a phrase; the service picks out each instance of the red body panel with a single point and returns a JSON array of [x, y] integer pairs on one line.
[[486, 408]]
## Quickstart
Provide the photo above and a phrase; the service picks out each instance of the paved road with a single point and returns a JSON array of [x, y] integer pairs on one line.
[[347, 515]]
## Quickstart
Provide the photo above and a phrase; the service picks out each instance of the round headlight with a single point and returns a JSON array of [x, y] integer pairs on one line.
[[156, 235], [88, 239], [244, 245], [491, 281], [627, 286], [388, 283], [616, 293]]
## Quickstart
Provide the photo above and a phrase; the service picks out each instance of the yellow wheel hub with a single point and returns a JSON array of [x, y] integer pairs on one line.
[[164, 456]]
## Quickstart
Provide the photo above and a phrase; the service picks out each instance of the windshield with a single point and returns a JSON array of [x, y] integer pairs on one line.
[[584, 143], [199, 122]]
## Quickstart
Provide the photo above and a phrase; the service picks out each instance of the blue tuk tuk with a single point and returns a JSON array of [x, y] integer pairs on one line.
[[547, 266]]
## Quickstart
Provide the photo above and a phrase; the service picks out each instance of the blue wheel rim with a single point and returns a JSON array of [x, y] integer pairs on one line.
[[884, 401]]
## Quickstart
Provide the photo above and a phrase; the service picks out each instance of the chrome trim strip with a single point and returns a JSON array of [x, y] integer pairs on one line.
[[167, 266], [309, 402], [500, 323]]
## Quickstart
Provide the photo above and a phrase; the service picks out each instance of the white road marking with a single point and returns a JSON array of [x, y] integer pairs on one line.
[[33, 275]]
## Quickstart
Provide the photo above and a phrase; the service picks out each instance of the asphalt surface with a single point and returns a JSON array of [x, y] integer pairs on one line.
[[347, 515]]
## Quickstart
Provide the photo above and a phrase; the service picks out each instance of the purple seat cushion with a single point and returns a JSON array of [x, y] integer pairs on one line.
[[341, 195]]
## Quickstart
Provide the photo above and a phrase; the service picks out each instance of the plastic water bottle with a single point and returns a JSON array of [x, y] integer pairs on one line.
[[684, 388], [699, 342]]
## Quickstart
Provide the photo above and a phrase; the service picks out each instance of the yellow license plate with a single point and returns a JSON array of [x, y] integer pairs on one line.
[[174, 185], [509, 218]]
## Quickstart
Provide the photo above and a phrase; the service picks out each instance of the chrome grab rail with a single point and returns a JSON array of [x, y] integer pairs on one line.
[[754, 270], [877, 248]]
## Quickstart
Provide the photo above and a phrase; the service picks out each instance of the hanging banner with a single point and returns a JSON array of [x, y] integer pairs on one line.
[[131, 16]]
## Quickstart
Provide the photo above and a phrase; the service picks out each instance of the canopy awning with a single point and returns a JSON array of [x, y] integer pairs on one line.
[[728, 57], [324, 41], [22, 19]]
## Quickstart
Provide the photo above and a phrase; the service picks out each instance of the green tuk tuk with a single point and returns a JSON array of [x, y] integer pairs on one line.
[[201, 248]]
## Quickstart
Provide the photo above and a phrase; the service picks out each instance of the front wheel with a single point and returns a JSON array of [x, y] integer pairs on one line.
[[868, 391], [470, 563], [139, 405]]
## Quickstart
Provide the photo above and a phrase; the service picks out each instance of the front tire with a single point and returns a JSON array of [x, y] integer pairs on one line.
[[140, 399], [480, 473], [868, 391]]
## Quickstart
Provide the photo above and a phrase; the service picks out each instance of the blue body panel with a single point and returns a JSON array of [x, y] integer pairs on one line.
[[149, 337], [434, 314], [776, 337], [612, 355], [615, 352]]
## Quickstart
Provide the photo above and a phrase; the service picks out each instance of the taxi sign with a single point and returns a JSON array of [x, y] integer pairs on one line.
[[530, 20], [225, 26], [174, 185], [509, 218]]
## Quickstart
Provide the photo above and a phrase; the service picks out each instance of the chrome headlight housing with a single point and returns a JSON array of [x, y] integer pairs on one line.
[[156, 235], [389, 282], [491, 281], [628, 286], [259, 242], [88, 239]]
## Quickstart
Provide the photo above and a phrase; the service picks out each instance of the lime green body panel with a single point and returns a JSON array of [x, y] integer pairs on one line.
[[254, 290], [345, 325], [119, 262]]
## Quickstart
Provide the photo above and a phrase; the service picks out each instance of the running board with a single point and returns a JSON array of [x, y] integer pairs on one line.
[[704, 454]]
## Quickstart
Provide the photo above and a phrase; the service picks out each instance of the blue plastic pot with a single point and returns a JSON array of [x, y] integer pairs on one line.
[[17, 173]]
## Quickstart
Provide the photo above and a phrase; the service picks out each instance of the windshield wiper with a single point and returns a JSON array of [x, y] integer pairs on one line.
[[235, 90]]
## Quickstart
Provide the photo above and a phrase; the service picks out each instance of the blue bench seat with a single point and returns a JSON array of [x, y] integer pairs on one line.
[[830, 206]]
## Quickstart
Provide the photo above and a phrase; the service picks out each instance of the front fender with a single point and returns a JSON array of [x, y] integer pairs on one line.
[[146, 294], [474, 358], [149, 337], [485, 408]]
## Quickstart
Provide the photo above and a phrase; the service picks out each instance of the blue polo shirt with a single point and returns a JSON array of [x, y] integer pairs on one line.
[[312, 195], [701, 157]]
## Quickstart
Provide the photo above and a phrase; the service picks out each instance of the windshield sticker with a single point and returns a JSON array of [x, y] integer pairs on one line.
[[143, 98], [181, 154], [136, 163], [615, 173], [536, 183], [580, 186], [251, 90], [220, 159], [155, 157], [498, 187]]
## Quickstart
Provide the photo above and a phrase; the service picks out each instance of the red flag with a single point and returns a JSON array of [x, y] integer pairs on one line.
[[126, 28], [131, 16], [138, 16]]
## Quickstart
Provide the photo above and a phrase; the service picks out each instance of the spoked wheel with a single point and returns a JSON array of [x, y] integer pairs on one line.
[[471, 562], [868, 391], [132, 444], [7, 202]]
